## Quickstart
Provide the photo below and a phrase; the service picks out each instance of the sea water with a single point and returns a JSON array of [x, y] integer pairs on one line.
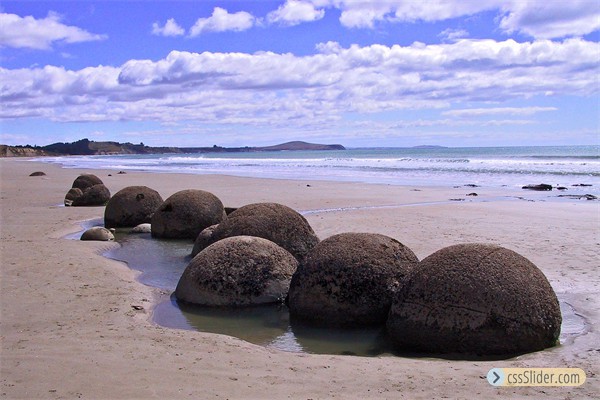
[[510, 167]]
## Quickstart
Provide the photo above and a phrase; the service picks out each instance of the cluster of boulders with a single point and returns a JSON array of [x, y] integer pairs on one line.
[[470, 298], [87, 190]]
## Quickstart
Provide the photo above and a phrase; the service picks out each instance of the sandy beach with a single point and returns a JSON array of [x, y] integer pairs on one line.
[[69, 328]]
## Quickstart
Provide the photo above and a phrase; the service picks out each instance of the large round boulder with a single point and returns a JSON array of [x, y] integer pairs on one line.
[[97, 195], [237, 271], [272, 221], [475, 298], [350, 279], [186, 213], [85, 181], [131, 206]]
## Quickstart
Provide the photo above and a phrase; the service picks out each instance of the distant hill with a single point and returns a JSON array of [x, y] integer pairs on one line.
[[90, 147]]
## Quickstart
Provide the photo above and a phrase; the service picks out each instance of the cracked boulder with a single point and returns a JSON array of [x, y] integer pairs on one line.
[[237, 271], [349, 279], [477, 299]]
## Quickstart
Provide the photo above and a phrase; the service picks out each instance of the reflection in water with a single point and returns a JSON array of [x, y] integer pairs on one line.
[[162, 263]]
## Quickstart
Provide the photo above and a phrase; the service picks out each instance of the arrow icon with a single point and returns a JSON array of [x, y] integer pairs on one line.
[[495, 377]]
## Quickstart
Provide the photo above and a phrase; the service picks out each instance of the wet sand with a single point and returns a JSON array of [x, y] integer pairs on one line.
[[69, 328]]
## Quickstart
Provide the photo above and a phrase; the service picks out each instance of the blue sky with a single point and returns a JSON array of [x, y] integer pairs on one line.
[[237, 73]]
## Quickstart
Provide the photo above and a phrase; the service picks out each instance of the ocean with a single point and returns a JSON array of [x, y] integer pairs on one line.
[[483, 166]]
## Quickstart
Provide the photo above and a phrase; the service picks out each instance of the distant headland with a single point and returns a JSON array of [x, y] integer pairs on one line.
[[90, 147]]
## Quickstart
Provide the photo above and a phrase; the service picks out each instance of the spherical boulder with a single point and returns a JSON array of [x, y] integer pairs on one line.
[[131, 206], [98, 233], [271, 221], [475, 298], [237, 271], [186, 213], [71, 195], [349, 279], [85, 181], [97, 195]]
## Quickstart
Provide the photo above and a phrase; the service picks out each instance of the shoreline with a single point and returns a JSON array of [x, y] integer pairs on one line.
[[110, 350]]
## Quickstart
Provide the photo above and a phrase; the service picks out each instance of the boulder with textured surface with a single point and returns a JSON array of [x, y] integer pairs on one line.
[[349, 279], [71, 195], [98, 233], [85, 181], [478, 299], [271, 221], [186, 213], [97, 195], [237, 271], [131, 206]]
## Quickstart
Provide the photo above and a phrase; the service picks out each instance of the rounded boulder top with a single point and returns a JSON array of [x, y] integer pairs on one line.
[[85, 181], [237, 271], [475, 298], [349, 280], [131, 206], [186, 213], [272, 221]]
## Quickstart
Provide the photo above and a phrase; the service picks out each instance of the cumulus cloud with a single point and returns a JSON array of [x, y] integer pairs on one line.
[[170, 28], [221, 21], [287, 90], [536, 18], [28, 32], [453, 34], [294, 12]]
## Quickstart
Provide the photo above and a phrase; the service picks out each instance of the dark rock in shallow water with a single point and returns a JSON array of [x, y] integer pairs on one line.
[[237, 271], [271, 221], [37, 173], [472, 194], [96, 195], [186, 213], [350, 279], [131, 206], [582, 184], [141, 228], [540, 187], [476, 299], [99, 234]]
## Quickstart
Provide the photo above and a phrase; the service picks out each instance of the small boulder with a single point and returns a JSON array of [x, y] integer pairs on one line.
[[476, 299], [237, 271], [98, 233], [186, 213], [271, 221], [131, 206], [204, 239], [72, 194], [141, 228], [540, 187], [349, 279], [97, 195], [37, 173]]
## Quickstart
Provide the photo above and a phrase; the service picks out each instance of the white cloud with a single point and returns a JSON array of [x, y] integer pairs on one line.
[[451, 35], [221, 21], [294, 12], [552, 19], [28, 32], [536, 18], [477, 112], [171, 28], [284, 90]]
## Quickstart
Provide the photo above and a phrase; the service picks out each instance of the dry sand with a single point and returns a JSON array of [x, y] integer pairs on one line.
[[68, 328]]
